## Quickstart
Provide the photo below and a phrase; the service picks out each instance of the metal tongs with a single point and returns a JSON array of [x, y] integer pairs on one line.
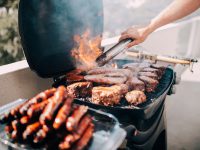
[[139, 53], [113, 52]]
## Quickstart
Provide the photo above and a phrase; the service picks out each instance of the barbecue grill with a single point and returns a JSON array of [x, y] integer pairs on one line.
[[47, 29]]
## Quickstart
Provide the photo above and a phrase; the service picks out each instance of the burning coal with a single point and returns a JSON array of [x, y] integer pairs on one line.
[[86, 50]]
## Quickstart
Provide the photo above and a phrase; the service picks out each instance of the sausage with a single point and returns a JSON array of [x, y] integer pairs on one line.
[[63, 113], [37, 109], [82, 143], [31, 129], [8, 129], [6, 118], [41, 134], [53, 106], [71, 138], [74, 119], [37, 99]]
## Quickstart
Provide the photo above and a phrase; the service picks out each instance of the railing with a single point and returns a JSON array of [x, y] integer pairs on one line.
[[18, 81]]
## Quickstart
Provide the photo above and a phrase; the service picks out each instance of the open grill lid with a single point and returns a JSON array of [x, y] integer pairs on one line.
[[47, 28]]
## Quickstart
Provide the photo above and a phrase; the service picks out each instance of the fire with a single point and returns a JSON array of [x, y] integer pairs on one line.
[[86, 50]]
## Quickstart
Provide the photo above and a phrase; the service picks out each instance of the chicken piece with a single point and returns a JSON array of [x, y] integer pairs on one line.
[[80, 89], [110, 79], [149, 74], [135, 84], [150, 84], [135, 97], [107, 96]]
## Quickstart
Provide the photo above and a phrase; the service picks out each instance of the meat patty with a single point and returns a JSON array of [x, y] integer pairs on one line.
[[107, 96], [150, 84], [109, 78], [135, 84], [80, 89], [135, 97]]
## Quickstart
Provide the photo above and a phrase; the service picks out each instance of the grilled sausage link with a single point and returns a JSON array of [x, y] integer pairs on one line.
[[31, 129], [74, 119], [37, 99], [42, 134], [82, 143], [63, 113], [8, 129], [52, 107], [37, 109], [72, 138]]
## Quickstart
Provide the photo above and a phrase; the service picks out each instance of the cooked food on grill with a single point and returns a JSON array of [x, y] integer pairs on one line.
[[159, 67], [80, 89], [104, 70], [149, 74], [135, 97], [107, 96], [55, 116], [123, 88], [109, 78], [153, 70], [135, 84], [150, 84]]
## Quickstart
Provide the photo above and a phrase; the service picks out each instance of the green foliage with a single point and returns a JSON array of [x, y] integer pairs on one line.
[[10, 47]]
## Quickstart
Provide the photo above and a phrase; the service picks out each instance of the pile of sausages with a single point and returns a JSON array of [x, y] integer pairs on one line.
[[50, 119]]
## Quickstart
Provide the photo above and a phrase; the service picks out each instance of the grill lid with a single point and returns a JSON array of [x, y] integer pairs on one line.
[[47, 28]]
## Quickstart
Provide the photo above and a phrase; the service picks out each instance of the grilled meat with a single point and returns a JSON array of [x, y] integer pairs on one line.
[[73, 120], [63, 113], [80, 89], [123, 88], [107, 96], [135, 97], [153, 70], [150, 84], [149, 74], [50, 114], [72, 138], [135, 84], [37, 99], [110, 78], [104, 70], [82, 143], [53, 106], [31, 129]]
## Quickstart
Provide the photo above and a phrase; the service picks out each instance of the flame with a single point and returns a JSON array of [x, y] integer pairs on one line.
[[86, 50]]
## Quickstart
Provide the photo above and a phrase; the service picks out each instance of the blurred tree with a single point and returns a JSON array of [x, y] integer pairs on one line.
[[10, 47]]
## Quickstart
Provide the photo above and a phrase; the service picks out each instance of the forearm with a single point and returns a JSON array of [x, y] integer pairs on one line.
[[176, 10]]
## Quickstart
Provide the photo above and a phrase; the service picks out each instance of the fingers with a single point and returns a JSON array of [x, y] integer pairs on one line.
[[132, 44], [125, 36]]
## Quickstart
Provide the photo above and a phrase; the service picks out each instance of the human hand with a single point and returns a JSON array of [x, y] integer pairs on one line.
[[138, 34]]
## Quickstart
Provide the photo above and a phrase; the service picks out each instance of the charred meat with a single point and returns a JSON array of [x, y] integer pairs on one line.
[[80, 89], [135, 97]]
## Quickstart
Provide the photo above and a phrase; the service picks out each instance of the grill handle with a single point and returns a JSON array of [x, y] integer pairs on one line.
[[113, 52]]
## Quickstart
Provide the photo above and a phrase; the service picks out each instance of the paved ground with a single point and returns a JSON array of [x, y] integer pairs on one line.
[[183, 113]]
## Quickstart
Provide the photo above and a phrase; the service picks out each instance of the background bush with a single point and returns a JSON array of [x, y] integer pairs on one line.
[[10, 48]]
